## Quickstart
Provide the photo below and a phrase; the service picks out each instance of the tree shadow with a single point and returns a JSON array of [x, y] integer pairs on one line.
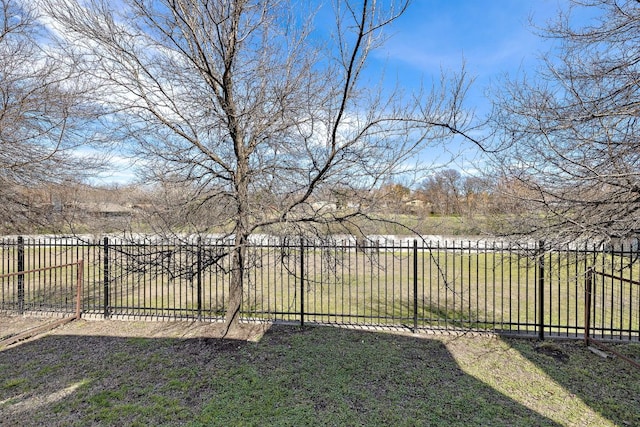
[[609, 386], [293, 376]]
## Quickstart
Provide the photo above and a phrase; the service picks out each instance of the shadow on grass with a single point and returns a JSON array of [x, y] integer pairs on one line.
[[314, 376], [610, 387]]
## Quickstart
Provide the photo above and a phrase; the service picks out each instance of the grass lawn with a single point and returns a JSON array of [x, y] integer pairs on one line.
[[137, 373]]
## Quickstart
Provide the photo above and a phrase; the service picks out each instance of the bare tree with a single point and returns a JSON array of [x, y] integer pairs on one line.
[[570, 132], [253, 113], [45, 116], [393, 197], [443, 191], [476, 193]]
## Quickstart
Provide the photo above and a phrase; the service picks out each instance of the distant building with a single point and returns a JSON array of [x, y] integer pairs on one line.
[[324, 206], [105, 210], [415, 203]]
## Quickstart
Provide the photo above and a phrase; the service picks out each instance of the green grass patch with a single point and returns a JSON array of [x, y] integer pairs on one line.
[[13, 383], [317, 376]]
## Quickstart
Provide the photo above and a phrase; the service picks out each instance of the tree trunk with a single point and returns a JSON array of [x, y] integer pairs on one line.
[[236, 285], [238, 256]]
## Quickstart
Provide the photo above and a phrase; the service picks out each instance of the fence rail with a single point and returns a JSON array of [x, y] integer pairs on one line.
[[486, 286], [40, 288]]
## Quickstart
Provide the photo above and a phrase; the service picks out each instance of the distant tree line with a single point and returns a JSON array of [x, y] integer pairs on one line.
[[74, 206]]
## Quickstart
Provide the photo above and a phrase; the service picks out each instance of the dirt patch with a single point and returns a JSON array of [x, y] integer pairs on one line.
[[12, 325], [552, 350]]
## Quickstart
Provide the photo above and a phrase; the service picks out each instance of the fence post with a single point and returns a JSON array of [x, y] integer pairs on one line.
[[301, 283], [587, 304], [415, 285], [20, 276], [199, 276], [541, 290], [105, 278], [79, 286]]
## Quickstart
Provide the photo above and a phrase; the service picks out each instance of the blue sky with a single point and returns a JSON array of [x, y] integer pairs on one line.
[[494, 37]]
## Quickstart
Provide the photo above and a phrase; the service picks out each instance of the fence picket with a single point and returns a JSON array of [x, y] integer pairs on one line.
[[411, 283]]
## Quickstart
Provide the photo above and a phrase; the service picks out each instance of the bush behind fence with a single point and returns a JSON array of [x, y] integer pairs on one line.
[[487, 286]]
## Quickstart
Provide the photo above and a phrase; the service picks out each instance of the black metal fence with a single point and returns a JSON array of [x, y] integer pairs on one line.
[[522, 289]]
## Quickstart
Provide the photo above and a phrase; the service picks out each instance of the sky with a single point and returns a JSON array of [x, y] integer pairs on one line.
[[494, 38]]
